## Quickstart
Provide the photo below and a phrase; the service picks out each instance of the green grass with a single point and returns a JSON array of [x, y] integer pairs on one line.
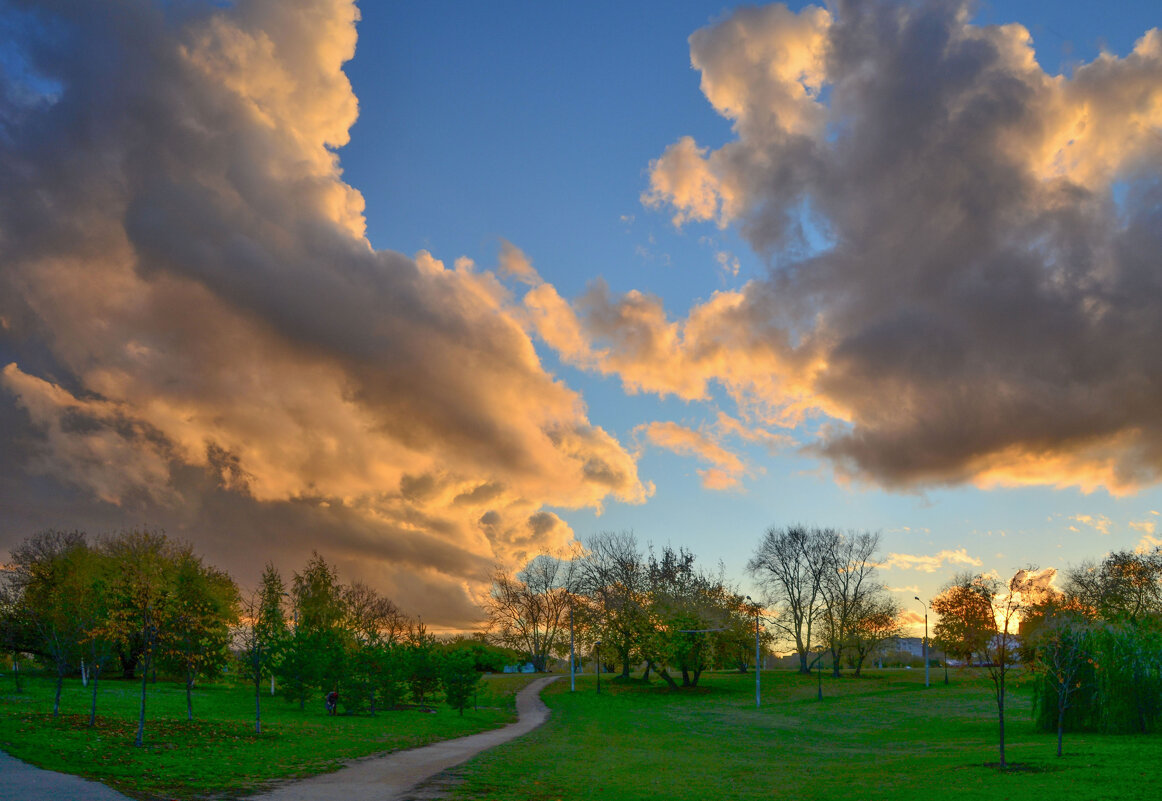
[[880, 737], [218, 754]]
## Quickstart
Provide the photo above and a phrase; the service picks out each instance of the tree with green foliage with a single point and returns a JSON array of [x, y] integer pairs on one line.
[[458, 678], [614, 579], [375, 628], [321, 641], [141, 565], [52, 577], [423, 667], [262, 634], [196, 613]]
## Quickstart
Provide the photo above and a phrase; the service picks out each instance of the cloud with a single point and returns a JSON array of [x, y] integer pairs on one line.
[[1148, 543], [963, 247], [1147, 526], [726, 468], [198, 335], [929, 564], [1101, 524]]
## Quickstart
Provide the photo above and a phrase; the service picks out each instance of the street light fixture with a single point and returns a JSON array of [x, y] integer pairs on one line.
[[926, 684]]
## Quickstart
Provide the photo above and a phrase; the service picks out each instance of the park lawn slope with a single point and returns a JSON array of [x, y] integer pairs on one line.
[[218, 754], [880, 737]]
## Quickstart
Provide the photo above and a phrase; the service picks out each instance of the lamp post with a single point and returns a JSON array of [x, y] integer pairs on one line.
[[598, 647], [926, 684], [572, 658], [758, 688]]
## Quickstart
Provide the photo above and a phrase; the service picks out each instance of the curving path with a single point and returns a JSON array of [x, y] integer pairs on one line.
[[389, 777], [20, 781]]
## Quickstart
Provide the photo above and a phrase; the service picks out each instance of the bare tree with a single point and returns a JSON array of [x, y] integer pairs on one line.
[[529, 610], [791, 565], [847, 583]]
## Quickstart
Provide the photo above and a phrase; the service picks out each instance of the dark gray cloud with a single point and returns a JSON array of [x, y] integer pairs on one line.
[[989, 302]]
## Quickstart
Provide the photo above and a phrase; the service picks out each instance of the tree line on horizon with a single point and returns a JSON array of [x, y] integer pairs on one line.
[[142, 602], [145, 604]]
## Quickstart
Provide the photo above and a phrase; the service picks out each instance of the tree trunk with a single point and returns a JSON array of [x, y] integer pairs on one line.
[[1060, 721], [257, 702], [93, 710], [665, 675], [685, 677], [140, 739], [128, 665], [60, 681], [806, 671], [1001, 718], [189, 695], [625, 666]]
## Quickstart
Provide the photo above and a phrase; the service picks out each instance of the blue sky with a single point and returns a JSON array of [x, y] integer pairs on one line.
[[537, 124]]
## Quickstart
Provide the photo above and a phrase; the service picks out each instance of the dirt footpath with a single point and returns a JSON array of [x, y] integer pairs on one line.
[[390, 777]]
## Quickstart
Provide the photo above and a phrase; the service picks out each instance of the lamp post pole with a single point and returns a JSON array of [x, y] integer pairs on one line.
[[926, 683], [572, 658], [758, 688], [598, 646]]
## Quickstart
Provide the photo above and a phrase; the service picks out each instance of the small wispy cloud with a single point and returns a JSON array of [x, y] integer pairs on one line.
[[932, 563], [1099, 523]]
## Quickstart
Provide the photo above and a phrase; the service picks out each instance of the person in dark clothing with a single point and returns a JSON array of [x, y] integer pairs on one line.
[[332, 701]]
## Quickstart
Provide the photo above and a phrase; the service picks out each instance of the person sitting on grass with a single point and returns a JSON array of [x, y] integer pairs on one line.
[[332, 701]]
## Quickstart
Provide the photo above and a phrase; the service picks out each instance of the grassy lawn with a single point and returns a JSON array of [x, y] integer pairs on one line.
[[218, 754], [881, 737]]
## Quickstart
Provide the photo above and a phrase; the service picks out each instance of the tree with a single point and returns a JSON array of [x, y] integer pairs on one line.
[[791, 564], [978, 615], [195, 614], [690, 613], [876, 620], [848, 581], [529, 611], [1061, 650], [141, 565], [459, 678], [1124, 586], [615, 578], [262, 633], [52, 582], [423, 668], [375, 627], [321, 638]]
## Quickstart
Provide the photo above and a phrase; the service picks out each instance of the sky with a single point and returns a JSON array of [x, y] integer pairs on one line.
[[428, 287]]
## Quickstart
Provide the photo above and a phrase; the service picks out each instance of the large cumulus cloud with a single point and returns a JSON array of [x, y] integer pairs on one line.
[[966, 283], [196, 334]]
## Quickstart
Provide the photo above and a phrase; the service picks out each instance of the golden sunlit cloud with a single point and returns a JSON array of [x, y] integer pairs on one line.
[[211, 344], [930, 564]]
